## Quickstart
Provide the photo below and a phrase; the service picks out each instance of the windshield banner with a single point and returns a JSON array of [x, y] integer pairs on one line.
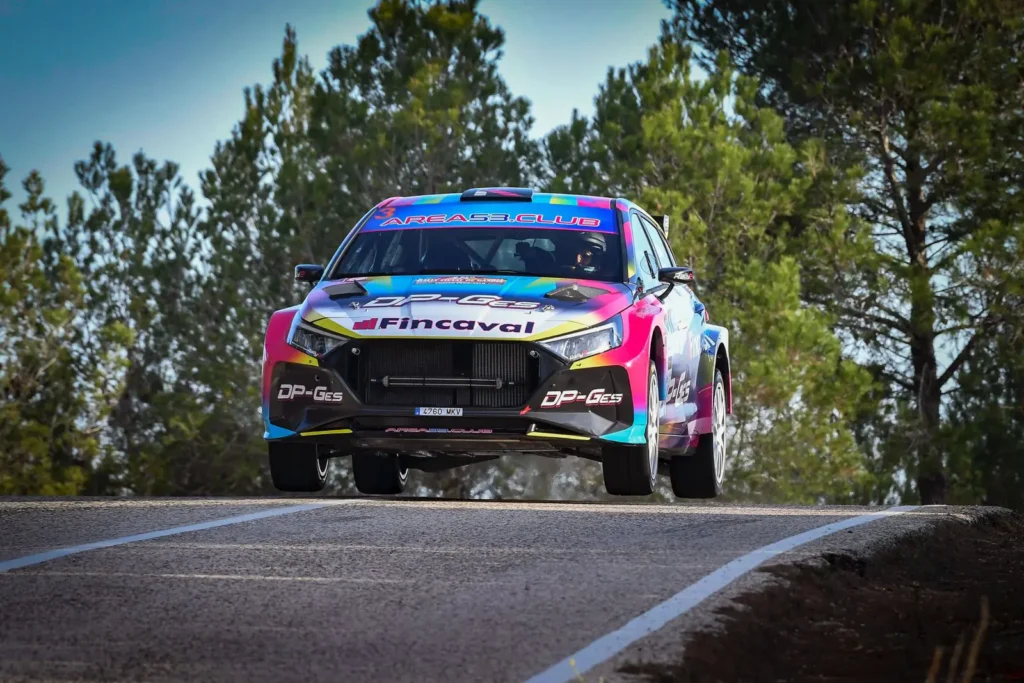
[[493, 214]]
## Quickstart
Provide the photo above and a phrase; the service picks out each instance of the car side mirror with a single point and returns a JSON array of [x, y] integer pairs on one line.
[[309, 273], [680, 275]]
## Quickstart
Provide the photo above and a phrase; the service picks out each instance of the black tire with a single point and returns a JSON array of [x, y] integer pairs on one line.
[[699, 475], [633, 470], [379, 473], [296, 467]]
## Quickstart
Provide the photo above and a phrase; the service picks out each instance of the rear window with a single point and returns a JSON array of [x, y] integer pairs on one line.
[[543, 240]]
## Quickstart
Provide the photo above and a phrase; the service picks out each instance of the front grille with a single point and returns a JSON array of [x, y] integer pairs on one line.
[[445, 373]]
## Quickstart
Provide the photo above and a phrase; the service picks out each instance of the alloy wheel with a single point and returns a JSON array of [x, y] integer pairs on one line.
[[652, 426], [718, 430]]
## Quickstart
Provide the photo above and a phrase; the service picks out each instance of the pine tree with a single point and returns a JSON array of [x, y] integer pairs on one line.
[[925, 95], [59, 376]]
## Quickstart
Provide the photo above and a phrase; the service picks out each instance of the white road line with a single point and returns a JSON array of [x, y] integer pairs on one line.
[[611, 644], [29, 560]]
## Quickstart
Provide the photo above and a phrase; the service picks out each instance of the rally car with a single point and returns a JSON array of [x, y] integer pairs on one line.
[[455, 328]]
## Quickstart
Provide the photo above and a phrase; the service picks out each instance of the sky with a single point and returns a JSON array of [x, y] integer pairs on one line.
[[167, 76]]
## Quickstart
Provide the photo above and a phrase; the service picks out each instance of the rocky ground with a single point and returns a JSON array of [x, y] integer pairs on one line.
[[945, 606]]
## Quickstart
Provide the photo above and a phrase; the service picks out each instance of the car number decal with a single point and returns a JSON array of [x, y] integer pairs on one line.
[[440, 412]]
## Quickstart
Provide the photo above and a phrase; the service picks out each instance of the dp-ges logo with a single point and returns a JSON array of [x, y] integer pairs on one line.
[[289, 392], [595, 397]]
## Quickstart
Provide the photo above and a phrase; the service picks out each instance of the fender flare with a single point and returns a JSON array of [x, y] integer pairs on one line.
[[656, 351], [715, 354]]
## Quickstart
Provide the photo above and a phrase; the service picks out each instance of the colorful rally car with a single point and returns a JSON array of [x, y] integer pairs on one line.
[[450, 329]]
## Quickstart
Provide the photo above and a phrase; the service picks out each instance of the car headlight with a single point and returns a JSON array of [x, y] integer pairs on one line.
[[314, 341], [588, 342]]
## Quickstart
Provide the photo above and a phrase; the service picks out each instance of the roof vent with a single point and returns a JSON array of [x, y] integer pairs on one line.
[[575, 293], [498, 194]]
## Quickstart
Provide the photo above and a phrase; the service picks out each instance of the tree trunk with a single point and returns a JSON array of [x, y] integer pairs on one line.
[[931, 475]]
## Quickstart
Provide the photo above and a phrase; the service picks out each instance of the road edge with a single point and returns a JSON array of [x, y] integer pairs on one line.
[[855, 546]]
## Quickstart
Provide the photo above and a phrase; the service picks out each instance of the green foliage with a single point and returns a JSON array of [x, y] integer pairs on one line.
[[58, 377], [925, 96], [983, 436], [182, 422], [417, 106]]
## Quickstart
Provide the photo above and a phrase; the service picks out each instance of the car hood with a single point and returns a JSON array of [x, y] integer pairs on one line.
[[462, 306]]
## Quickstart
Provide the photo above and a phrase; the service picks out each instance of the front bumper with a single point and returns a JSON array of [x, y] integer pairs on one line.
[[317, 402]]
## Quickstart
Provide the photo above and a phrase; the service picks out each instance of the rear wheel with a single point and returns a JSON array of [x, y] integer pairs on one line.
[[633, 470], [379, 473], [700, 475], [297, 467]]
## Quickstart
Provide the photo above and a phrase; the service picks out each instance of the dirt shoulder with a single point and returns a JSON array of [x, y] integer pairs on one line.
[[905, 613]]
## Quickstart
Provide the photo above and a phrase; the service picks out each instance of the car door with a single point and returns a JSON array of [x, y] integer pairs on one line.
[[682, 347]]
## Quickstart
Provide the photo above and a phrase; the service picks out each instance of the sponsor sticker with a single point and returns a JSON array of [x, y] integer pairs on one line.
[[524, 218], [440, 412], [678, 390], [447, 324], [461, 280], [320, 394], [594, 397], [471, 300]]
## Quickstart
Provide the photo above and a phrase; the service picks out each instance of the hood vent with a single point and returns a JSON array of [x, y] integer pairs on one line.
[[343, 290], [575, 293]]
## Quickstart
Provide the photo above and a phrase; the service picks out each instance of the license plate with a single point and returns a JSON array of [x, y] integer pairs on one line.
[[440, 412]]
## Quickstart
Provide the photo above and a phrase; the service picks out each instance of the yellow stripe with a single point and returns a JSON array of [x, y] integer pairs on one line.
[[551, 435], [329, 325], [327, 431]]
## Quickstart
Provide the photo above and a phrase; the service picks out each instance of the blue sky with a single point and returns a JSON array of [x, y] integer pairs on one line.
[[167, 76]]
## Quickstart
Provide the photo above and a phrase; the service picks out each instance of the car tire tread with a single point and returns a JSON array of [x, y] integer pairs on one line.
[[626, 469], [693, 476], [379, 474], [295, 468]]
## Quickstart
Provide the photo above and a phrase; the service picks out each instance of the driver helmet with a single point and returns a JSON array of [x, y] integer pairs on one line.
[[589, 250]]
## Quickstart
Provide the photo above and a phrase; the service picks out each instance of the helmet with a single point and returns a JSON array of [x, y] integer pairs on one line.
[[589, 251], [594, 240]]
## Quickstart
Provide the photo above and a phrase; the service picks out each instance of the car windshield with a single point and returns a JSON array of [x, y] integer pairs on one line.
[[515, 251]]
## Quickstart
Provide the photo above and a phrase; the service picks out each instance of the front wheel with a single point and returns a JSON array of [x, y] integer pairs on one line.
[[700, 475], [633, 470], [297, 467], [379, 473]]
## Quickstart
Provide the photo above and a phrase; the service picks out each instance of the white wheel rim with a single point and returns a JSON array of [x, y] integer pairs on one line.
[[718, 430], [321, 466], [652, 427]]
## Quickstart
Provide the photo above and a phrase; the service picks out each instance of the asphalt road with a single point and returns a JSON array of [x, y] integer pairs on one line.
[[357, 589]]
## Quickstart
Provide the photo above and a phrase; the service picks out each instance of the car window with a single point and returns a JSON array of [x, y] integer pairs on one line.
[[660, 246], [646, 262]]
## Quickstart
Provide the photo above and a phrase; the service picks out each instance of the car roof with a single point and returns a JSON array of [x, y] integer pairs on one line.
[[502, 194]]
